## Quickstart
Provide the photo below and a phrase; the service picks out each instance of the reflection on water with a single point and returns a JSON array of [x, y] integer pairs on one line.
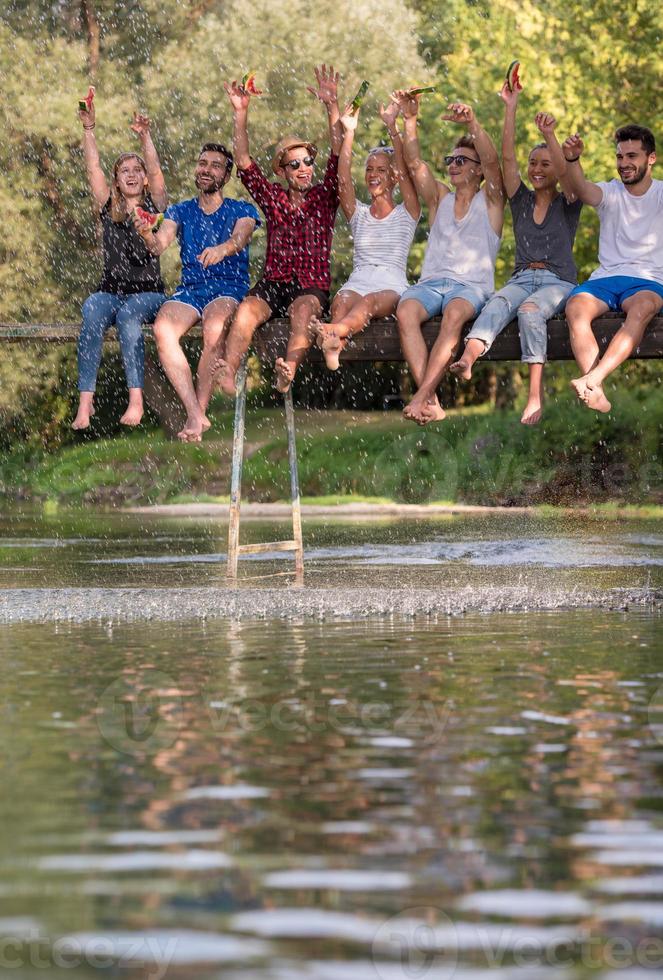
[[476, 799]]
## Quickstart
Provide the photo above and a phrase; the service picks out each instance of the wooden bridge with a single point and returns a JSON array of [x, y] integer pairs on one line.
[[379, 342]]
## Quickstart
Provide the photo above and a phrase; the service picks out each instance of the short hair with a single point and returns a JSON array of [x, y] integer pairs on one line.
[[539, 146], [219, 148], [633, 132], [465, 141]]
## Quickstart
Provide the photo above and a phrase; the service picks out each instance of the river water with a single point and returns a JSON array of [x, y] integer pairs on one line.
[[325, 797]]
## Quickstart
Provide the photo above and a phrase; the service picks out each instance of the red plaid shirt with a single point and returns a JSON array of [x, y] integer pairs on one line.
[[298, 239]]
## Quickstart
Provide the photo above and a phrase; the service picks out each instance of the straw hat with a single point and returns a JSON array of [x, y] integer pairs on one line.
[[289, 143]]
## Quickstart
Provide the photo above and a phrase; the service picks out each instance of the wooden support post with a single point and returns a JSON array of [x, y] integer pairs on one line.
[[236, 473]]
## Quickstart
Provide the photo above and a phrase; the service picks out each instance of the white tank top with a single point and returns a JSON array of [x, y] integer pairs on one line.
[[463, 250]]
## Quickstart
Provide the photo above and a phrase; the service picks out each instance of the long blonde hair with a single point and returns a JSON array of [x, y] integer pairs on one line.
[[118, 208]]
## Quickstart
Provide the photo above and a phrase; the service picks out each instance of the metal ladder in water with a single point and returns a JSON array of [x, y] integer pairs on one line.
[[235, 549]]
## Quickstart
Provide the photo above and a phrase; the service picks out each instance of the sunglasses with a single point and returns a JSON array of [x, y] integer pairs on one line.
[[460, 160], [296, 164]]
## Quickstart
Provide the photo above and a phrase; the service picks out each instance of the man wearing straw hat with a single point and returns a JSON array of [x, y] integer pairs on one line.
[[300, 222]]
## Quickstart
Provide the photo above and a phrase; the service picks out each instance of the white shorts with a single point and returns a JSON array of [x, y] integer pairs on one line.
[[375, 279]]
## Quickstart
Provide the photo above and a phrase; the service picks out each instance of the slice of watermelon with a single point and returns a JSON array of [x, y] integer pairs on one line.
[[513, 78], [84, 105], [419, 90], [360, 96], [249, 85], [149, 218]]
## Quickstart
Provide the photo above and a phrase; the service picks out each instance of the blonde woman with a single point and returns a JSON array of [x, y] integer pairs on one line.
[[131, 290], [382, 231]]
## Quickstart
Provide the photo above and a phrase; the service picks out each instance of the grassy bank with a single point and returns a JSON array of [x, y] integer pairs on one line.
[[475, 456]]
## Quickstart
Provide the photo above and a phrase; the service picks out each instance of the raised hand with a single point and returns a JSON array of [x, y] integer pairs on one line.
[[510, 96], [545, 123], [407, 103], [87, 118], [238, 96], [350, 118], [142, 226], [327, 84], [573, 147], [140, 124], [459, 112], [390, 114]]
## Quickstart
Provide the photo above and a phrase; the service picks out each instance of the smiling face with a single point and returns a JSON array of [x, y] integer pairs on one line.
[[540, 169], [299, 177], [380, 176], [130, 176], [466, 172], [212, 171], [633, 161]]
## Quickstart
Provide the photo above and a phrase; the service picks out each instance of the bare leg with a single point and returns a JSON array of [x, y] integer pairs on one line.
[[251, 312], [422, 408], [534, 406], [134, 412], [216, 317], [326, 335], [172, 322], [640, 309], [474, 348], [85, 410], [301, 312], [333, 337], [410, 315], [580, 311]]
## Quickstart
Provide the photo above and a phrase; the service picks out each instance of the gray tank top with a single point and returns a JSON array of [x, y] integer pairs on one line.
[[463, 250]]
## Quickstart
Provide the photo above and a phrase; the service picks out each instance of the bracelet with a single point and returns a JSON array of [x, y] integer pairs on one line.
[[88, 129], [573, 159]]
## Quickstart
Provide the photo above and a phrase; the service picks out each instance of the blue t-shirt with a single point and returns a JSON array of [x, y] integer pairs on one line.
[[197, 231]]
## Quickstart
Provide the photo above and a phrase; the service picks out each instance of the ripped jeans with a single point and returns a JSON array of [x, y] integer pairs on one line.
[[537, 287]]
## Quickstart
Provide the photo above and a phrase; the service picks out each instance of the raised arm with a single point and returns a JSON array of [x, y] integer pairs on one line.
[[326, 91], [346, 189], [141, 126], [156, 242], [585, 190], [510, 169], [545, 123], [239, 239], [239, 100], [430, 190], [460, 112], [405, 183], [95, 175]]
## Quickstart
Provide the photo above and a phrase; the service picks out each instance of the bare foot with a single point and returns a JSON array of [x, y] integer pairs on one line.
[[84, 414], [284, 375], [133, 414], [462, 369], [193, 429], [591, 394], [224, 378], [532, 413], [424, 409]]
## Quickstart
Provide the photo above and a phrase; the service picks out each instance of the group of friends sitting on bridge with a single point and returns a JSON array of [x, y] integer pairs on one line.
[[465, 214]]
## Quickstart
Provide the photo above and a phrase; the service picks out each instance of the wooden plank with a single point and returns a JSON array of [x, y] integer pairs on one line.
[[255, 549], [379, 342]]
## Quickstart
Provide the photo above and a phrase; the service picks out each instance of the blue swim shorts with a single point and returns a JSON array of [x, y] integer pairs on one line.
[[436, 294], [613, 290], [201, 296]]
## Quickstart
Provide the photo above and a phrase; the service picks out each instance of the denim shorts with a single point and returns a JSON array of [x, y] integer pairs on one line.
[[436, 294], [202, 295], [613, 290]]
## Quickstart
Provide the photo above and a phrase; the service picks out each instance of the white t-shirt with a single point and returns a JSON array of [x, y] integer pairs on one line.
[[631, 234], [382, 241]]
